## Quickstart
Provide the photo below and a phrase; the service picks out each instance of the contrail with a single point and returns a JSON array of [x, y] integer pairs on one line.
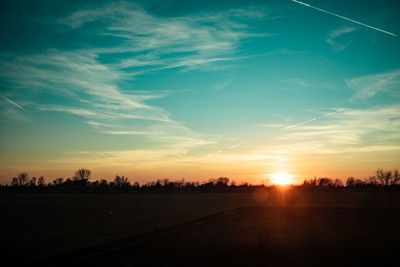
[[313, 119], [15, 104], [300, 123], [339, 16]]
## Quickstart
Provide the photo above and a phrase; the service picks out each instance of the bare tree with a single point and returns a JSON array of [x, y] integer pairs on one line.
[[372, 180], [14, 181], [387, 178], [350, 182], [223, 181], [82, 175], [41, 181], [121, 182], [338, 183], [325, 182], [166, 182], [32, 182], [23, 178], [118, 180], [58, 181]]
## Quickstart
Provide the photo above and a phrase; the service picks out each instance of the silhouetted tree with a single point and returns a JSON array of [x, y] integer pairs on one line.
[[82, 175], [350, 182], [103, 185], [223, 181], [58, 181], [314, 181], [338, 183], [325, 182], [387, 178], [373, 181], [32, 182], [166, 182], [41, 181], [386, 181], [14, 181], [121, 182], [23, 178], [136, 185]]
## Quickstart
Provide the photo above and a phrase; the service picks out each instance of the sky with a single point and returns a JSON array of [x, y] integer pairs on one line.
[[199, 89]]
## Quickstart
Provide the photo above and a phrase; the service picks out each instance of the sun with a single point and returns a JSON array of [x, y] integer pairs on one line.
[[281, 178]]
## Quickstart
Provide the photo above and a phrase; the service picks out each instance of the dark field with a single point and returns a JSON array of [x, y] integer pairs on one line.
[[277, 228], [271, 237]]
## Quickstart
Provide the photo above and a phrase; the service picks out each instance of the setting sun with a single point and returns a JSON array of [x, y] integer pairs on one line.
[[281, 178]]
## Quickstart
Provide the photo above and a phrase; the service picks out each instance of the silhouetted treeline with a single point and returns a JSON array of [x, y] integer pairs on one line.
[[80, 182]]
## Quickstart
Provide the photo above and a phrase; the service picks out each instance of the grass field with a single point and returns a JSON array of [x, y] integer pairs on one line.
[[39, 226]]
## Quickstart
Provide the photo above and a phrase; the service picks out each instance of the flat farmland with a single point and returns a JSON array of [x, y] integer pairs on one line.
[[41, 226], [262, 236]]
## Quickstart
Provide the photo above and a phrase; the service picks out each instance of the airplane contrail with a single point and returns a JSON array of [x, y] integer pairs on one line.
[[339, 16], [300, 123], [314, 119], [15, 104]]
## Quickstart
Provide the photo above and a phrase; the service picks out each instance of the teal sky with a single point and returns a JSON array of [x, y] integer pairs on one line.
[[195, 89]]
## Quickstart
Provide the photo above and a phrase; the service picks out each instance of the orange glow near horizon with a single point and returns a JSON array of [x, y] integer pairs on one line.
[[281, 178]]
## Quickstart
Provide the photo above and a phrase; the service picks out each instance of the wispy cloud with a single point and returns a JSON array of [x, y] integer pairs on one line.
[[222, 85], [104, 93], [298, 81], [349, 129], [337, 134], [127, 132], [189, 41], [334, 35], [272, 125], [146, 42], [370, 85], [346, 134]]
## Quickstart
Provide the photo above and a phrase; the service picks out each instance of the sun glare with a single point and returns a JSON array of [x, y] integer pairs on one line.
[[281, 178]]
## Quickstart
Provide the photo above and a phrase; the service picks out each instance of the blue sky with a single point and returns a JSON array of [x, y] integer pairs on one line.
[[198, 89]]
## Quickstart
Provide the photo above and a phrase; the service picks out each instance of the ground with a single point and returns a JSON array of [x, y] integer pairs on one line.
[[270, 237], [279, 228]]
